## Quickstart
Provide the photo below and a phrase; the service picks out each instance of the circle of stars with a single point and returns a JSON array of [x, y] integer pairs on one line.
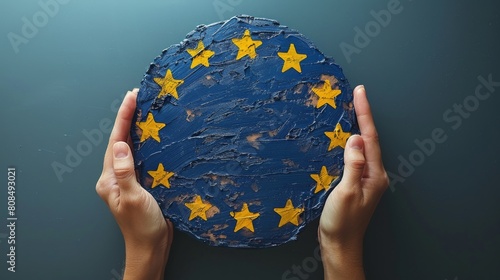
[[246, 47]]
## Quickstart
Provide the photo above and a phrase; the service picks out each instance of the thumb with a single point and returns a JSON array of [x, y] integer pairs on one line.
[[354, 159], [123, 166]]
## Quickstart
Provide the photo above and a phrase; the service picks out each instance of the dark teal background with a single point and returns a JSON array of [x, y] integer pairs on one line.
[[442, 221]]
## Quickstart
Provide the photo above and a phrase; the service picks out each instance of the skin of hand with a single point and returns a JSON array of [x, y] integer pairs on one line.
[[148, 236], [350, 206], [345, 217]]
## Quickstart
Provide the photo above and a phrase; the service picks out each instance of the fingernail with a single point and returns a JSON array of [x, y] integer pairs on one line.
[[120, 150], [361, 87], [356, 142]]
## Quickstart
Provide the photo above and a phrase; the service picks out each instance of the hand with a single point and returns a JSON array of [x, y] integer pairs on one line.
[[350, 206], [148, 236]]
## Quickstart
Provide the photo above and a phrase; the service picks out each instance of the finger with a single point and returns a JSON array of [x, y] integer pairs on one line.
[[368, 131], [121, 128], [354, 161], [363, 112], [123, 167]]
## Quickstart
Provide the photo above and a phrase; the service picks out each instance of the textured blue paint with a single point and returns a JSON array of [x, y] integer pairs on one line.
[[209, 152]]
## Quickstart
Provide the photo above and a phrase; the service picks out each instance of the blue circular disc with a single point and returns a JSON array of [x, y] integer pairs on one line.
[[239, 132]]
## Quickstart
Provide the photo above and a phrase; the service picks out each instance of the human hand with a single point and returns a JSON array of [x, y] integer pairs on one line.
[[148, 236], [350, 206]]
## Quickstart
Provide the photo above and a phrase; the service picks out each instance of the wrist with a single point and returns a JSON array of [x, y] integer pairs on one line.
[[145, 263], [342, 259]]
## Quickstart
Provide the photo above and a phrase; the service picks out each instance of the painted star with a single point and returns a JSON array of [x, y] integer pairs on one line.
[[246, 46], [326, 95], [200, 55], [198, 208], [160, 176], [150, 128], [291, 59], [168, 85], [323, 180], [337, 137], [244, 218], [289, 214]]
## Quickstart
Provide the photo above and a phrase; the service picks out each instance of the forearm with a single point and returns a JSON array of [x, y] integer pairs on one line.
[[342, 262], [144, 264]]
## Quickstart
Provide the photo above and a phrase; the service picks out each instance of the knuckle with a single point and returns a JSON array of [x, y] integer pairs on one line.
[[348, 194], [123, 173], [384, 180], [99, 187], [374, 137], [357, 164], [104, 186]]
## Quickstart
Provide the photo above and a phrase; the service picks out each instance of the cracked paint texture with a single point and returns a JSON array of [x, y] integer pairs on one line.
[[243, 132]]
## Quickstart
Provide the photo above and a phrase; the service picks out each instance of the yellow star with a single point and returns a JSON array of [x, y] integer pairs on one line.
[[168, 85], [246, 46], [150, 128], [323, 180], [326, 95], [160, 176], [244, 218], [198, 208], [200, 55], [337, 137], [289, 214], [291, 59]]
